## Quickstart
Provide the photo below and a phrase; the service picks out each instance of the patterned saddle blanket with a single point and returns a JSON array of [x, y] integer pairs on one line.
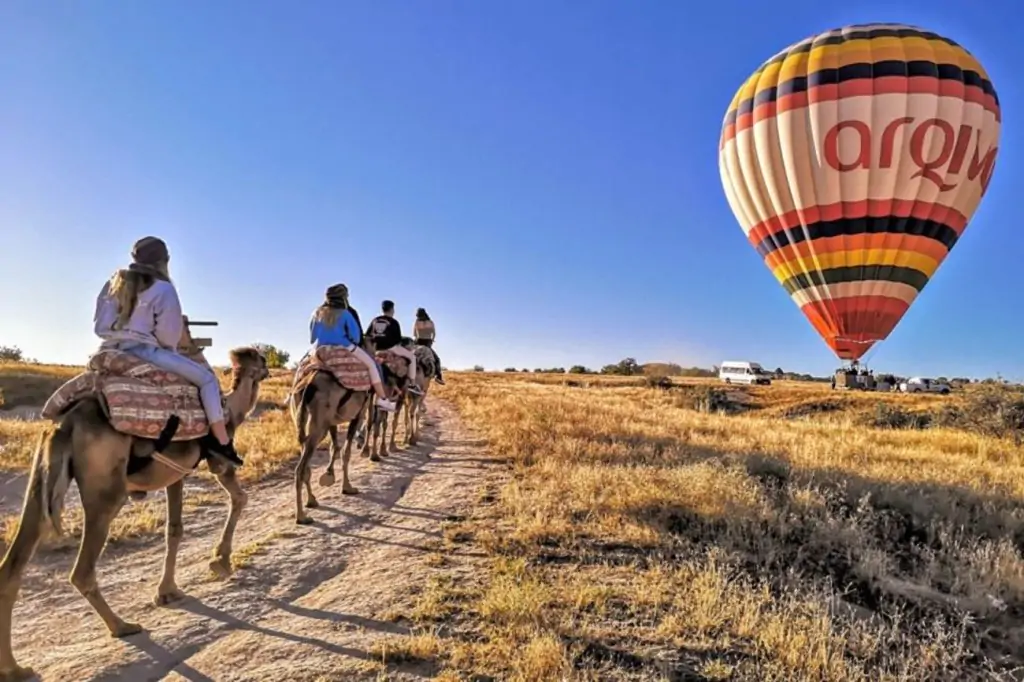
[[138, 397], [346, 368]]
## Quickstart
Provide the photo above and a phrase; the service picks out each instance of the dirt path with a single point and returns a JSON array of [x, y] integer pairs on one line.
[[305, 605]]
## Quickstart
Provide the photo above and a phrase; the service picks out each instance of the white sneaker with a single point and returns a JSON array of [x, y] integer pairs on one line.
[[385, 404]]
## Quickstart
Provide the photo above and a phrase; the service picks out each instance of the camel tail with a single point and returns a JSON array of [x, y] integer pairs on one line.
[[52, 470], [49, 480], [302, 412]]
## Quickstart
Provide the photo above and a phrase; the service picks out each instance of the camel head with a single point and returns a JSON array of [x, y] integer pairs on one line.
[[248, 369]]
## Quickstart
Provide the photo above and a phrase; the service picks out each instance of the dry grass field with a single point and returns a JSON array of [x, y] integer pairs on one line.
[[641, 536], [766, 533]]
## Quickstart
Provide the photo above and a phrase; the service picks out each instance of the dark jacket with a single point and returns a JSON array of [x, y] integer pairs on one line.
[[385, 332]]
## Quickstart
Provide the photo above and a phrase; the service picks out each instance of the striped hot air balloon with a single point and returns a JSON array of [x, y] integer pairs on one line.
[[853, 160]]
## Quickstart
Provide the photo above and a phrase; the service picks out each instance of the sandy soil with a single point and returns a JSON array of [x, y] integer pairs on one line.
[[308, 601]]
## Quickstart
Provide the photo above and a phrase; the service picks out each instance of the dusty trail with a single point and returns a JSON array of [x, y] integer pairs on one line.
[[305, 604]]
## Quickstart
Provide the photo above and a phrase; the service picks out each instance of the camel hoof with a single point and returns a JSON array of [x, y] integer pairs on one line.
[[165, 597], [312, 503], [16, 674], [303, 520], [374, 457], [349, 490], [125, 629], [326, 480], [221, 567]]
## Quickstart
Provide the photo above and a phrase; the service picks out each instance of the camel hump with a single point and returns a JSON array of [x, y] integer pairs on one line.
[[347, 369], [425, 359], [396, 364], [139, 398]]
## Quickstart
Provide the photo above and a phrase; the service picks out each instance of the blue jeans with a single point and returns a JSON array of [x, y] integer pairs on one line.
[[191, 371]]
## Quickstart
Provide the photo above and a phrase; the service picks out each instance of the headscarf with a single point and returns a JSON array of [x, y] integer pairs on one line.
[[148, 255], [336, 296]]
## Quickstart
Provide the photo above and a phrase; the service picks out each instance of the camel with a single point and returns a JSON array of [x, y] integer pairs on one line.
[[85, 447], [317, 410], [412, 405], [378, 419], [416, 404]]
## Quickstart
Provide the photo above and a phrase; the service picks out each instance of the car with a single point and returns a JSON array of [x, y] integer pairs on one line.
[[742, 372], [924, 385]]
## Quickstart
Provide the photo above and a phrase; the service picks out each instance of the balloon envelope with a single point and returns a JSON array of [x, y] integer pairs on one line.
[[853, 161]]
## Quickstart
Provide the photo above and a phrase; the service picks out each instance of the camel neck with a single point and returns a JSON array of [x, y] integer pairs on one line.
[[242, 400]]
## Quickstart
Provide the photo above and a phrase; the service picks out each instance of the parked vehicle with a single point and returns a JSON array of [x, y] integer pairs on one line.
[[924, 385], [743, 373]]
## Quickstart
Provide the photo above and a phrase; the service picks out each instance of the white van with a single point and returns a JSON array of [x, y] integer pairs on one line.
[[743, 373]]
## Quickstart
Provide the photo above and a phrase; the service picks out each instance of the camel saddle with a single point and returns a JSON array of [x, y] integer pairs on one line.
[[398, 365], [346, 368], [139, 398]]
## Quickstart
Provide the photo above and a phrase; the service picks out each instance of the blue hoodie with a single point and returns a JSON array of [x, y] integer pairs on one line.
[[345, 331]]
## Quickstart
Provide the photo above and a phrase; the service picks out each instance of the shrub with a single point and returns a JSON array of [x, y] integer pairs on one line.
[[11, 354], [658, 381], [276, 357], [888, 416]]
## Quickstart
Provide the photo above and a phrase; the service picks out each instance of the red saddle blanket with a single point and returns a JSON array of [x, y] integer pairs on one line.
[[138, 397], [347, 369]]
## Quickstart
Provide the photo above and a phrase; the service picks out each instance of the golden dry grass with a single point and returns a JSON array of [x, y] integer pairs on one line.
[[638, 538], [30, 385]]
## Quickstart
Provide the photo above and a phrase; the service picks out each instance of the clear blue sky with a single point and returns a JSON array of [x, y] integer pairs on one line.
[[540, 175]]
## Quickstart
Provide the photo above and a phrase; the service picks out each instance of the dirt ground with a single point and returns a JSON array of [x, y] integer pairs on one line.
[[306, 603]]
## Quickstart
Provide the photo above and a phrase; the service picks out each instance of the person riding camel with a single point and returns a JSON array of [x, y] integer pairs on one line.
[[138, 312], [386, 334], [333, 324], [424, 332]]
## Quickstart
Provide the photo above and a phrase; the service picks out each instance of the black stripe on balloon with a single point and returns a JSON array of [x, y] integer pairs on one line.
[[858, 273], [840, 36], [932, 229], [861, 71]]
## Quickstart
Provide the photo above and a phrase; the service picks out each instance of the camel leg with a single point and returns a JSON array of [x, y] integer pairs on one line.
[[168, 591], [382, 436], [371, 417], [411, 421], [346, 485], [19, 554], [228, 480], [327, 478], [103, 495], [302, 472], [373, 433], [392, 444]]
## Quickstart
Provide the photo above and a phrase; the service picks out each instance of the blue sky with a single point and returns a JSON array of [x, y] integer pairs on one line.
[[540, 175]]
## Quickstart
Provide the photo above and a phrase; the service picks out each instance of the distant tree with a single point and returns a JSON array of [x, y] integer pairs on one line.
[[11, 354], [276, 357], [628, 367], [779, 373], [579, 369], [511, 369], [478, 368]]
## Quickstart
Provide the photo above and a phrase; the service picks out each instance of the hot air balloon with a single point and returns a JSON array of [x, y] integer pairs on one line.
[[853, 160]]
